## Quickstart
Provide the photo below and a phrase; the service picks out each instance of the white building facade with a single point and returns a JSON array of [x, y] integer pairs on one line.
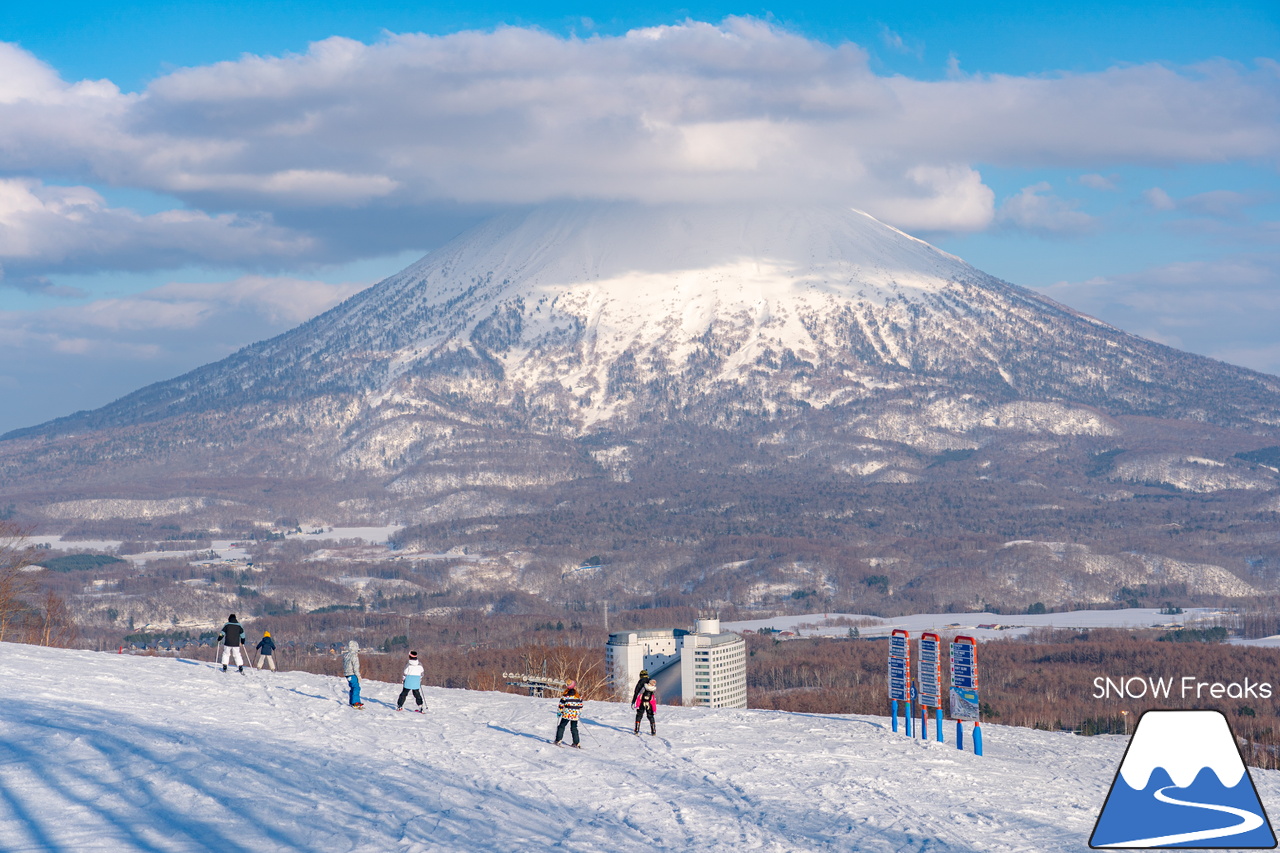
[[704, 667]]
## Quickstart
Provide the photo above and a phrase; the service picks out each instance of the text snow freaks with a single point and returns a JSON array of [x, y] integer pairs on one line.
[[1186, 687]]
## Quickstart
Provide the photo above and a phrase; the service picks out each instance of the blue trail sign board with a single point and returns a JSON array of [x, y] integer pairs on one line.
[[900, 666], [964, 679], [930, 667]]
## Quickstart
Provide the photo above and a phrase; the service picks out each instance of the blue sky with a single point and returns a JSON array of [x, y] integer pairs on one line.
[[180, 179]]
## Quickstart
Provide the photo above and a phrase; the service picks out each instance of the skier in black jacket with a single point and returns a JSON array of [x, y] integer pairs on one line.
[[644, 679], [232, 638]]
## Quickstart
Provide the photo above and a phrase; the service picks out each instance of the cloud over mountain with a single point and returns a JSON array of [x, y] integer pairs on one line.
[[691, 112]]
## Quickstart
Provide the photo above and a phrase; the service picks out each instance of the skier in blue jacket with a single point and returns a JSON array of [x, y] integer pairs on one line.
[[266, 651], [412, 682]]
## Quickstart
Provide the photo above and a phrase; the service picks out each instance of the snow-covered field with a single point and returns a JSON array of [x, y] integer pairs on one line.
[[823, 624], [102, 752], [224, 549]]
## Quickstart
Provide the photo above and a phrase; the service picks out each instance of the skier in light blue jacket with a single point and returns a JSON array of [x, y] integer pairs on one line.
[[412, 682]]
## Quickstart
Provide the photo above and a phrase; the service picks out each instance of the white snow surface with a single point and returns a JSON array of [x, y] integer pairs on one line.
[[656, 279], [812, 624], [103, 752]]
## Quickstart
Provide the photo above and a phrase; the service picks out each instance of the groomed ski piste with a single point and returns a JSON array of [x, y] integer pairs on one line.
[[107, 752]]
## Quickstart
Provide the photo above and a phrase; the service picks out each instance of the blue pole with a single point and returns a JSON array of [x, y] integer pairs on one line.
[[908, 716], [977, 739], [937, 720], [924, 723], [893, 714], [959, 735]]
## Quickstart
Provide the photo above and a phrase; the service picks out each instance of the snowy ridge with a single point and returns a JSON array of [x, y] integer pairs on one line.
[[573, 318], [614, 278], [108, 752]]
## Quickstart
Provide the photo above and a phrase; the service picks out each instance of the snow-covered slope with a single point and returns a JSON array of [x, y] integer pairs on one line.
[[103, 752], [574, 316]]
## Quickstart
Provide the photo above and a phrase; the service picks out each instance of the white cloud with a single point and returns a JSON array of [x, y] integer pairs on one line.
[[1159, 199], [1224, 308], [1217, 212], [953, 199], [69, 357], [1221, 204], [1107, 183], [1034, 209], [280, 302], [47, 228], [895, 42], [695, 111]]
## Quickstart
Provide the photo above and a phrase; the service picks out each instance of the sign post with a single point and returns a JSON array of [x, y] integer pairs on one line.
[[964, 690], [930, 668], [900, 675]]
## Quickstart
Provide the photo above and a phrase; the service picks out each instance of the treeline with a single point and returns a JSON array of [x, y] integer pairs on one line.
[[1046, 684], [30, 611]]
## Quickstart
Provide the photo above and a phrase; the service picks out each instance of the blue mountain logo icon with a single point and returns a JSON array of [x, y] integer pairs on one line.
[[1182, 783]]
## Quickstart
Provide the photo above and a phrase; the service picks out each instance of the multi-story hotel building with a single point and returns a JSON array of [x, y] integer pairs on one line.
[[704, 667]]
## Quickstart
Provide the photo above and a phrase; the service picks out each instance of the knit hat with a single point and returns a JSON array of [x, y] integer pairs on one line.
[[266, 633], [231, 618], [413, 655]]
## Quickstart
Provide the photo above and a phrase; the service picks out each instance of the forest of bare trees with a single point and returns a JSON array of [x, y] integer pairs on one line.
[[29, 611]]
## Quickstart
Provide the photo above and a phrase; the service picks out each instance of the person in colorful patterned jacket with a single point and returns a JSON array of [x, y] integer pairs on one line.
[[646, 703], [570, 709], [412, 682]]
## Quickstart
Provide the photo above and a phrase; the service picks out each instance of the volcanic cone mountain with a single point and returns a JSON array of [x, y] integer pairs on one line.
[[549, 354]]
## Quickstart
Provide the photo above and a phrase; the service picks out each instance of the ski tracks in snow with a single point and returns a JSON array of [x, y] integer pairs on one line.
[[103, 753]]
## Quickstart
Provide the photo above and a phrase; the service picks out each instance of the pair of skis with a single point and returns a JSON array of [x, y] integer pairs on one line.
[[248, 655]]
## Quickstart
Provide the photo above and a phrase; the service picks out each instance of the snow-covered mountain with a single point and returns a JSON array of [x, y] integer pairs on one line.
[[711, 373], [111, 753], [575, 317]]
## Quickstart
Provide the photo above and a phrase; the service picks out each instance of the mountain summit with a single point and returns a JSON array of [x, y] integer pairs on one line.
[[575, 316], [578, 347]]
